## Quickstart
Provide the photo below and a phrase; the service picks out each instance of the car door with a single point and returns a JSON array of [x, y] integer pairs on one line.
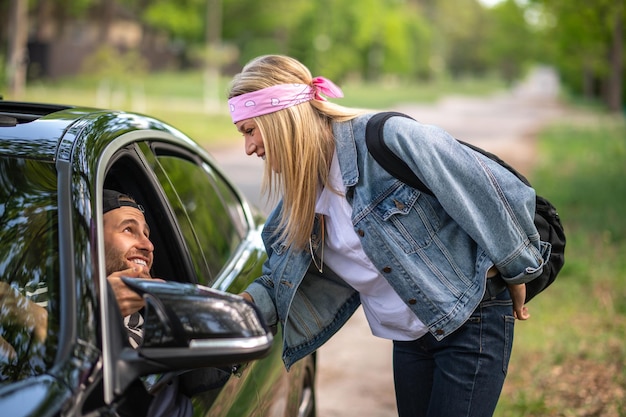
[[30, 328], [205, 233], [227, 253]]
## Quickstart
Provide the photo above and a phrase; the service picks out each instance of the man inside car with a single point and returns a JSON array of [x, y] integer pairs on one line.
[[128, 253]]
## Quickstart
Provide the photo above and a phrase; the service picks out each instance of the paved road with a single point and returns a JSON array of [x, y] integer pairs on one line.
[[355, 377]]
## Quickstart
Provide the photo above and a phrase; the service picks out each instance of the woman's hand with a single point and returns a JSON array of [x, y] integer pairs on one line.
[[247, 297], [518, 295]]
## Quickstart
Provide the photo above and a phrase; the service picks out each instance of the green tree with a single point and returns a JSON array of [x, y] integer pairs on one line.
[[588, 37], [339, 38], [182, 20], [369, 39], [462, 33], [512, 43], [17, 47], [255, 29]]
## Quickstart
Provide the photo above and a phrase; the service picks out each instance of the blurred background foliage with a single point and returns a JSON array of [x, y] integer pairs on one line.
[[392, 41]]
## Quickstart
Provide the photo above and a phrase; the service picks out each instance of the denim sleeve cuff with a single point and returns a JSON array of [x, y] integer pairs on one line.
[[264, 302], [530, 272]]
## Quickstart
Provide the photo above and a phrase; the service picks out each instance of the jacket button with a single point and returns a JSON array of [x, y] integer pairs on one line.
[[387, 269], [439, 332], [360, 232], [399, 205], [412, 301]]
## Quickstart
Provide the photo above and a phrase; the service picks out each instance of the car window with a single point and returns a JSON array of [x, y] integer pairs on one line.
[[208, 212], [29, 267], [127, 173]]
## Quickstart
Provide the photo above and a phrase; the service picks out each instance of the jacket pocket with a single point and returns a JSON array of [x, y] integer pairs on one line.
[[408, 217]]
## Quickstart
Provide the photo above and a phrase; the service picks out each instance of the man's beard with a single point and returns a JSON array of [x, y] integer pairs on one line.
[[114, 261]]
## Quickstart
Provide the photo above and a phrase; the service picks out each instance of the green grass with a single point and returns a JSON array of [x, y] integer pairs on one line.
[[568, 359], [177, 98]]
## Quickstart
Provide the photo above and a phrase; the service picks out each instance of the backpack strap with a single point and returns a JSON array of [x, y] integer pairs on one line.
[[391, 162]]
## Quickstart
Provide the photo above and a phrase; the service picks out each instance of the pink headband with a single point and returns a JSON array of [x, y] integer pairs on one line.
[[278, 97]]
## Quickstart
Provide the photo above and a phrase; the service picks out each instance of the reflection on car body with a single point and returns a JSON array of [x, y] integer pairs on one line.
[[199, 338]]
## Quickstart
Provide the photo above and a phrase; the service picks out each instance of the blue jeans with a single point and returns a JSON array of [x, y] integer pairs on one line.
[[462, 375]]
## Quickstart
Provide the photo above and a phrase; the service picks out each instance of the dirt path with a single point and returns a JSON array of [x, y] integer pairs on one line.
[[355, 376]]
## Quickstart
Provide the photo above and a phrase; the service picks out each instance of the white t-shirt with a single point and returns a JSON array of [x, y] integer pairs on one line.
[[388, 316]]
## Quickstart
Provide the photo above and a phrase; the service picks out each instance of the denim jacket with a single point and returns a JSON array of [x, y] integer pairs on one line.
[[434, 251]]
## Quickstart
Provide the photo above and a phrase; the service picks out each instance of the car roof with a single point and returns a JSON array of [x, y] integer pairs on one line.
[[33, 130], [36, 130]]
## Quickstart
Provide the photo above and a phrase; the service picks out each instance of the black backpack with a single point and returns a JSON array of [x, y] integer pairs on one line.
[[546, 219]]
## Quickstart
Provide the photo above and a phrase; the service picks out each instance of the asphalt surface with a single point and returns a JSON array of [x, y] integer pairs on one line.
[[354, 374]]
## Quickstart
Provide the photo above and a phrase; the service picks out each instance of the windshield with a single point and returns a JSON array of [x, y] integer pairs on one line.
[[29, 267]]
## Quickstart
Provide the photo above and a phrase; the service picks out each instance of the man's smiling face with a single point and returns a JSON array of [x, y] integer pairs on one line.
[[127, 241]]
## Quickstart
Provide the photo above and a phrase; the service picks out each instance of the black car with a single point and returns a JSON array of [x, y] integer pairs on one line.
[[200, 338]]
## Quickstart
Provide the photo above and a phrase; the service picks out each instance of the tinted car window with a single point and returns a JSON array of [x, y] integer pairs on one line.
[[29, 265], [208, 213]]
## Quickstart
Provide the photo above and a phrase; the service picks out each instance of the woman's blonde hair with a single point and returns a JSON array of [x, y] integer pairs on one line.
[[298, 141]]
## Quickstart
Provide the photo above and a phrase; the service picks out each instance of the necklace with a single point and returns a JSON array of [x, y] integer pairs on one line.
[[320, 265]]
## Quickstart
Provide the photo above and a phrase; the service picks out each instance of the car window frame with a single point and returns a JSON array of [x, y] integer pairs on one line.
[[165, 230], [110, 327], [109, 312]]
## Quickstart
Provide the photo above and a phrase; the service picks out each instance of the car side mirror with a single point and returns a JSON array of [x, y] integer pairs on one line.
[[190, 326]]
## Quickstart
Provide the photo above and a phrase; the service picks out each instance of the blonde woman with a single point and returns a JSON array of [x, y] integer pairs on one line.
[[434, 274]]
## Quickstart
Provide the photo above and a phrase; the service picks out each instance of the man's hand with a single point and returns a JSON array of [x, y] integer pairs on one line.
[[128, 300], [518, 295]]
